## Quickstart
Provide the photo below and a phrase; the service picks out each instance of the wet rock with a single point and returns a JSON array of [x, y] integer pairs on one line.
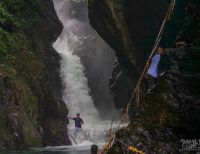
[[19, 119], [120, 86], [128, 30], [170, 112], [31, 87]]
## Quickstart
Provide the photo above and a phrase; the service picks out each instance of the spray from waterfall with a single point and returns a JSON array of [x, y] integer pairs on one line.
[[77, 93]]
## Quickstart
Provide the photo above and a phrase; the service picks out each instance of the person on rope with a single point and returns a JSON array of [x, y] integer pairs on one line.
[[78, 123], [152, 72]]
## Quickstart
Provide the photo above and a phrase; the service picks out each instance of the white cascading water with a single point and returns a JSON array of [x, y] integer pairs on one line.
[[77, 93]]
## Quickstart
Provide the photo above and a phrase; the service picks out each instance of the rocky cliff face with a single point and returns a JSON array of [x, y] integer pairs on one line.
[[32, 113], [130, 31], [130, 27], [168, 116]]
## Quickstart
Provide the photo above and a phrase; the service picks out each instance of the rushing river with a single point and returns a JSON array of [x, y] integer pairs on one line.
[[80, 149]]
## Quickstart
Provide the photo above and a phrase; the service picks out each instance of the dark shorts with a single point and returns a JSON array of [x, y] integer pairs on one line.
[[150, 82]]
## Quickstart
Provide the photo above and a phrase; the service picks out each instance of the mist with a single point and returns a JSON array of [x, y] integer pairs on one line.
[[96, 57], [76, 92]]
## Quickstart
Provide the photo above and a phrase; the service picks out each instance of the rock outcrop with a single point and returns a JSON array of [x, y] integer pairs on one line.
[[130, 31], [167, 119], [129, 27], [169, 115], [32, 113], [120, 86]]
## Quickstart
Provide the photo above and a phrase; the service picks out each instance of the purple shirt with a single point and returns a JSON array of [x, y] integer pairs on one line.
[[153, 68], [78, 122]]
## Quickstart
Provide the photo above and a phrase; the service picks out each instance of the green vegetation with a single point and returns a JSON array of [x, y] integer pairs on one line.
[[32, 141], [25, 105], [118, 4], [4, 130], [16, 58], [14, 12], [21, 66]]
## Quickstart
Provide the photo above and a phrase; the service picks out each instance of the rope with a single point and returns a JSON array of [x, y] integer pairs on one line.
[[130, 148], [137, 87]]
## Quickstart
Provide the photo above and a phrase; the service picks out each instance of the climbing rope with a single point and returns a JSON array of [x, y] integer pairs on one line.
[[130, 148], [136, 92]]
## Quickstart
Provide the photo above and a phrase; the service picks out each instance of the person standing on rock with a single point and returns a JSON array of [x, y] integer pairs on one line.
[[152, 72]]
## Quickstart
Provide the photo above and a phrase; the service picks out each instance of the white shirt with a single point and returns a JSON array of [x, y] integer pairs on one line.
[[153, 68]]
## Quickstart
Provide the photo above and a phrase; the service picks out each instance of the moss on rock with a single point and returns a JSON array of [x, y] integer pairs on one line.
[[157, 111], [29, 74]]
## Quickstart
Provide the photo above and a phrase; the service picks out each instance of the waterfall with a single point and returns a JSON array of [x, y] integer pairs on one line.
[[77, 94], [76, 91]]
